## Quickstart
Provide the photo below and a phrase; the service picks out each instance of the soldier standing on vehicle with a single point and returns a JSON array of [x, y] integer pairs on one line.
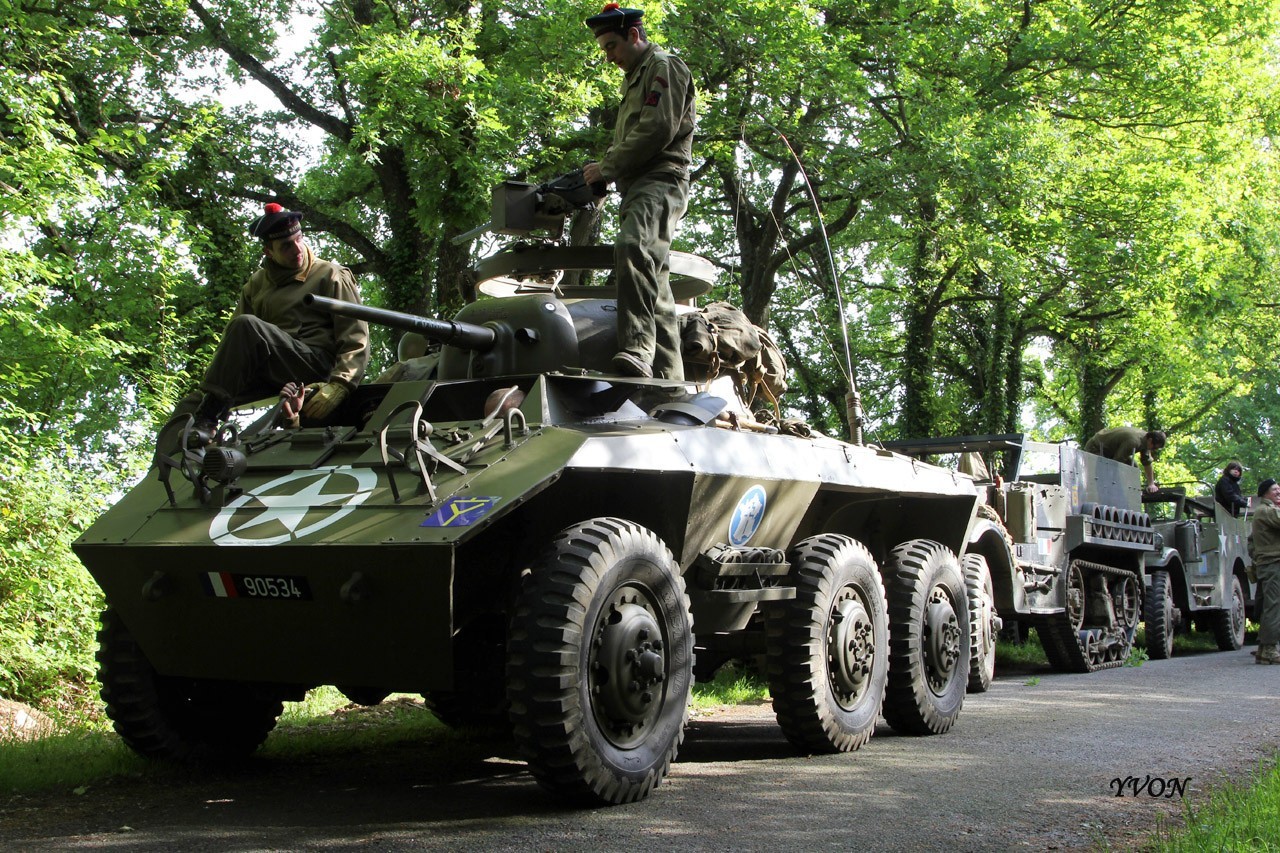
[[1120, 443], [649, 162], [1264, 548], [1228, 492], [273, 339]]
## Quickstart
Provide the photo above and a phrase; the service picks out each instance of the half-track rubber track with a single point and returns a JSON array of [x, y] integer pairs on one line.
[[1072, 640]]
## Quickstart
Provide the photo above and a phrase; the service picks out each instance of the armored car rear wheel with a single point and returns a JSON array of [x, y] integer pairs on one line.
[[1229, 624], [600, 663], [179, 719], [928, 638], [984, 624], [1159, 614], [828, 649]]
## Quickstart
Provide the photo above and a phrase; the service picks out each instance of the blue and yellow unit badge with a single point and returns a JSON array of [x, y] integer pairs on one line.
[[461, 512]]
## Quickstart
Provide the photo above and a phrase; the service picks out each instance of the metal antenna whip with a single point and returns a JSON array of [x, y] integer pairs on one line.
[[852, 400]]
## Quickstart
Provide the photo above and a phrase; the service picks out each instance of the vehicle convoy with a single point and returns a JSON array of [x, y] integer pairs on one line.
[[1062, 542], [1198, 574], [1071, 552], [519, 533]]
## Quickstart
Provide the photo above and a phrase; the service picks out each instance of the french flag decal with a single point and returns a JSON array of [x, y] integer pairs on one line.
[[220, 584]]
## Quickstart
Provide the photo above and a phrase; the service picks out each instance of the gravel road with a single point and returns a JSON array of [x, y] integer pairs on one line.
[[1031, 764]]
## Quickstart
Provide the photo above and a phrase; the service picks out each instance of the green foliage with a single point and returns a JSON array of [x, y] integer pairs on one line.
[[49, 605], [1137, 656]]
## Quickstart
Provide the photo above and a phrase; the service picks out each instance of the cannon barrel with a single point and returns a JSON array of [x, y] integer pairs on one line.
[[466, 336]]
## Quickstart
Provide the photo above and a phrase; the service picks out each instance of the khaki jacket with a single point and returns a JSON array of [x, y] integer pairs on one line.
[[654, 132], [274, 294], [1264, 540]]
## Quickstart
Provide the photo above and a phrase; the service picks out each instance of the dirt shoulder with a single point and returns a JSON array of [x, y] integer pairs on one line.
[[1036, 763]]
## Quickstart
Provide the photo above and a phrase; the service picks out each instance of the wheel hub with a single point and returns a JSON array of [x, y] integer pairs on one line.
[[850, 648], [627, 666], [941, 641]]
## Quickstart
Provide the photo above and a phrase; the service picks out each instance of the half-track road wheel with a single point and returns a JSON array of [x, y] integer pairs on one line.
[[1228, 624], [1095, 630], [984, 624], [828, 649], [600, 663], [928, 638], [1159, 614], [178, 719]]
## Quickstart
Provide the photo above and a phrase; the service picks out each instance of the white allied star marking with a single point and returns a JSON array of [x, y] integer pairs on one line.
[[291, 508], [277, 502]]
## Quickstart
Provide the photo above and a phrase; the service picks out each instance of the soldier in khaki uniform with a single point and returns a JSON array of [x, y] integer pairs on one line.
[[1264, 549], [273, 340], [649, 162], [1120, 443]]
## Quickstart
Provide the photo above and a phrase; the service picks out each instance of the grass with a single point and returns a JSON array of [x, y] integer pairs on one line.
[[735, 684], [70, 761], [1235, 817]]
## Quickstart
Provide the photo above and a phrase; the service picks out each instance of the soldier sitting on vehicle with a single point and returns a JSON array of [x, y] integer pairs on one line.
[[1228, 492], [273, 339], [1120, 443]]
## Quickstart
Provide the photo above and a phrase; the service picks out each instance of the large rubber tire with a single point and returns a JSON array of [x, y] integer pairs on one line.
[[1159, 615], [178, 719], [1229, 624], [828, 649], [928, 638], [984, 624], [600, 663]]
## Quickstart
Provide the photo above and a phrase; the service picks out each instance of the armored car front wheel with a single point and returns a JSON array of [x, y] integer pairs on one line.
[[600, 662], [928, 638], [179, 719], [828, 649], [984, 624]]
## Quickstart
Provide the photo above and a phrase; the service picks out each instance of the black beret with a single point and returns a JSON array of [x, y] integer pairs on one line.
[[1265, 486], [276, 223], [614, 19]]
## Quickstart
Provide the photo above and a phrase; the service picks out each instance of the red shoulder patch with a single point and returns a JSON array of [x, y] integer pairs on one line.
[[651, 100], [662, 80]]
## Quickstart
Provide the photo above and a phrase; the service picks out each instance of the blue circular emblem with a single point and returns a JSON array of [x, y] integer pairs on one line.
[[747, 516]]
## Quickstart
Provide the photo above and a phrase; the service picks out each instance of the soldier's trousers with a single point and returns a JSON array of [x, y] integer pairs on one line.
[[256, 359], [647, 325], [1268, 592]]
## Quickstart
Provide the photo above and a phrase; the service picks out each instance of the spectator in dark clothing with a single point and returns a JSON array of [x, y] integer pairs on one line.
[[1228, 489]]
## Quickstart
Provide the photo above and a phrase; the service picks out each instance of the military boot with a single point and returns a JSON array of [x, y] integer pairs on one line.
[[1267, 654], [204, 430]]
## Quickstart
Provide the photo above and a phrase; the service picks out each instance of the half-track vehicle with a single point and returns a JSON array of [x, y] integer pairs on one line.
[[518, 533], [1058, 545], [1197, 575]]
